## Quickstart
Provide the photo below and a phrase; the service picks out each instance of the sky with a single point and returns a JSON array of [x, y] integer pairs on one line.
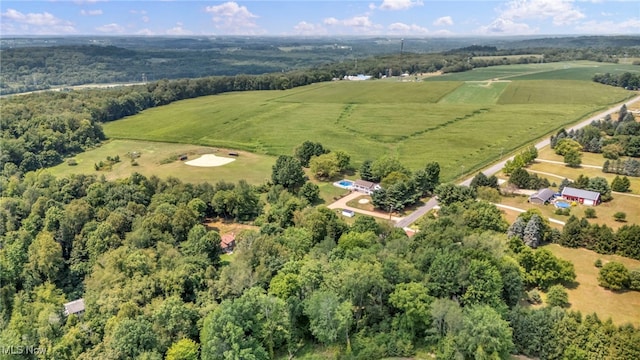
[[417, 18]]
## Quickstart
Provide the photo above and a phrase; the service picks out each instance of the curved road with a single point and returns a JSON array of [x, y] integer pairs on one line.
[[498, 166]]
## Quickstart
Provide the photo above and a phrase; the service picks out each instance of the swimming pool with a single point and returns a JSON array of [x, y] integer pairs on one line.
[[562, 204], [345, 184]]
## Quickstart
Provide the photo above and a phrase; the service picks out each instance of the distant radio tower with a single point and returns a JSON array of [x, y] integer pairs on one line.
[[144, 77], [401, 50]]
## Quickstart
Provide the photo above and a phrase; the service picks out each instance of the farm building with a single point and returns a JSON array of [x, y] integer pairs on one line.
[[585, 197], [366, 187], [228, 242], [74, 307], [542, 196]]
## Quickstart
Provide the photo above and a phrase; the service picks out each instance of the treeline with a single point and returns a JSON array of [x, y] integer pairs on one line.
[[601, 238], [155, 286], [625, 80]]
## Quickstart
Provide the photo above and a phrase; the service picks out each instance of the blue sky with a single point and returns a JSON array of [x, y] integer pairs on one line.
[[418, 18]]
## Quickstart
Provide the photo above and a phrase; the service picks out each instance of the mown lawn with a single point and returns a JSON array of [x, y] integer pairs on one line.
[[254, 168], [588, 297]]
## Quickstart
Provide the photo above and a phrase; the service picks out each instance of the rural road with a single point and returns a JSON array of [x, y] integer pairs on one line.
[[493, 169]]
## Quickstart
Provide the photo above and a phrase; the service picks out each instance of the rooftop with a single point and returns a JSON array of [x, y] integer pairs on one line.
[[584, 194], [74, 307]]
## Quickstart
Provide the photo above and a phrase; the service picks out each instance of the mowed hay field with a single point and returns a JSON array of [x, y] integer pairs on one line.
[[463, 126]]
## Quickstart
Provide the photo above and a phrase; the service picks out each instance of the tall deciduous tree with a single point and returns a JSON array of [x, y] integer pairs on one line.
[[484, 334], [329, 318], [287, 172]]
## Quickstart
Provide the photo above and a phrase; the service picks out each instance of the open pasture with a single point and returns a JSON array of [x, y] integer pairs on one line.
[[418, 122], [573, 70]]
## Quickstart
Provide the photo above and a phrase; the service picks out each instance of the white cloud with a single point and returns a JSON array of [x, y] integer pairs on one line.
[[143, 12], [630, 26], [562, 12], [443, 21], [400, 4], [90, 12], [502, 26], [80, 2], [112, 28], [233, 18], [305, 28], [404, 29], [178, 30], [331, 21], [145, 19], [145, 32], [359, 24], [14, 21]]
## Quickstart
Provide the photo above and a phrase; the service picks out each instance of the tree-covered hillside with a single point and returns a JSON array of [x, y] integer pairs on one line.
[[155, 285]]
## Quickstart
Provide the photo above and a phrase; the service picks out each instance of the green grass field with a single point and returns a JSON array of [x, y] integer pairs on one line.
[[254, 168], [463, 126], [588, 297], [573, 70]]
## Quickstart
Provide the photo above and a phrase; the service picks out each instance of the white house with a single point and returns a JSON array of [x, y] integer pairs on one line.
[[366, 187]]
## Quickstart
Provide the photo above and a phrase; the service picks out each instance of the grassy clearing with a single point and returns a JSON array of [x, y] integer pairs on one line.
[[588, 297], [252, 167], [547, 153], [476, 93]]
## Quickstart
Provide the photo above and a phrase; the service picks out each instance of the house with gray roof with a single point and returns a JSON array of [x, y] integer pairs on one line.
[[366, 187], [74, 307], [542, 196], [585, 197]]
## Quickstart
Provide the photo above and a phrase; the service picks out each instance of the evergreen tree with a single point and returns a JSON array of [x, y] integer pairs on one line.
[[533, 232], [517, 229], [620, 184]]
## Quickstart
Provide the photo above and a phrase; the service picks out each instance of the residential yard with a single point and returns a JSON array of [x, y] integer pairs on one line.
[[356, 203], [604, 212], [588, 297]]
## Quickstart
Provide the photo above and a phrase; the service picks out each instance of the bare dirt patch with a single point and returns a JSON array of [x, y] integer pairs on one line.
[[209, 160]]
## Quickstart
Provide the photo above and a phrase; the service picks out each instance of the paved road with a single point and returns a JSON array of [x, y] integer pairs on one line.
[[493, 169]]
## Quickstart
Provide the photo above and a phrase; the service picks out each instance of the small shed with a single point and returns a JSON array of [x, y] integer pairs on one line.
[[348, 213], [542, 196], [75, 307], [585, 197]]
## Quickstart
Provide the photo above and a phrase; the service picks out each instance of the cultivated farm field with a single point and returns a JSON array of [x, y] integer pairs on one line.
[[462, 125]]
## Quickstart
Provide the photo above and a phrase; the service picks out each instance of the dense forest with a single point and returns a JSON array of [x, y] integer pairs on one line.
[[155, 285]]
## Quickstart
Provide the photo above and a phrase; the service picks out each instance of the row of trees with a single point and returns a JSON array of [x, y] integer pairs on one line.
[[625, 80], [601, 238]]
